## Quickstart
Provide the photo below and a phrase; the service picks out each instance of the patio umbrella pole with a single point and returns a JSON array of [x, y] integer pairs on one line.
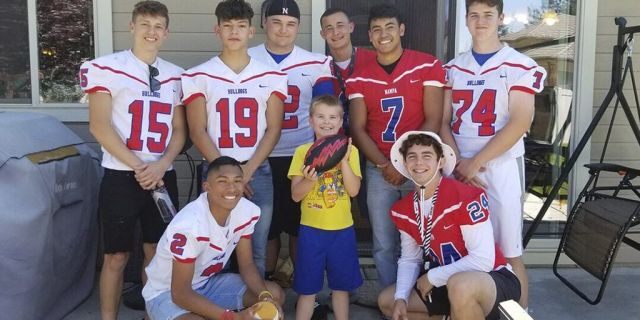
[[615, 89]]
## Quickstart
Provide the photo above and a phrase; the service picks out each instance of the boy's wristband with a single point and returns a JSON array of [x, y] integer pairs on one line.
[[382, 166], [265, 293]]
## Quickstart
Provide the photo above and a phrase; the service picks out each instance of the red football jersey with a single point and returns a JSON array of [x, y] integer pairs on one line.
[[457, 205], [394, 101]]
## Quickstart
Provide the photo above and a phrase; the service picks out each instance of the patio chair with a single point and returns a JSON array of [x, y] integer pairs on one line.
[[597, 224]]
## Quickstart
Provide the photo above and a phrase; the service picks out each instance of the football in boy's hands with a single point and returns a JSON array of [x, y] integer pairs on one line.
[[326, 152], [265, 310]]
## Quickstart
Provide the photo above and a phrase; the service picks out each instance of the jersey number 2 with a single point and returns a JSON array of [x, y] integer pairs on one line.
[[245, 116], [136, 109], [483, 112], [291, 107]]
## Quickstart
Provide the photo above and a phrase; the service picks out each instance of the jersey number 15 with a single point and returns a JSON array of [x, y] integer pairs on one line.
[[135, 142]]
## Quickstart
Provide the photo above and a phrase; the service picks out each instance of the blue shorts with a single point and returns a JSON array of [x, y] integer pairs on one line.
[[225, 290], [332, 250]]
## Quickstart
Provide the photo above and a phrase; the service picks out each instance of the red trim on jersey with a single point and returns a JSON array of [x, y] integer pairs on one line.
[[280, 95], [118, 72], [203, 239], [97, 89], [262, 75], [523, 89], [215, 247], [191, 75], [447, 88], [192, 97], [461, 69], [246, 224], [186, 260], [170, 79], [324, 79], [304, 64], [246, 237], [515, 65]]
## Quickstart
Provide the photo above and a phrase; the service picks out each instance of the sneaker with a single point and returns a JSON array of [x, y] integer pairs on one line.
[[132, 298], [320, 312]]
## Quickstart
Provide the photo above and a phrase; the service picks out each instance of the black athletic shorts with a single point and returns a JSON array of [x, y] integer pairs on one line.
[[507, 288], [286, 212], [122, 202]]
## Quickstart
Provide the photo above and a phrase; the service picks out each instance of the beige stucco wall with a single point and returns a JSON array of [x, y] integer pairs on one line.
[[623, 148], [191, 40]]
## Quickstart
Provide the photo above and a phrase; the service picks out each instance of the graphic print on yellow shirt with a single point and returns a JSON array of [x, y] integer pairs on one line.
[[327, 206]]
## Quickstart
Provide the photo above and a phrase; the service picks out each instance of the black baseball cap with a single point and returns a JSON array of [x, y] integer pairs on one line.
[[282, 7]]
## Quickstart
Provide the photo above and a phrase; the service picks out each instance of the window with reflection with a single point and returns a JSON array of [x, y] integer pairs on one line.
[[545, 31], [65, 41], [15, 79]]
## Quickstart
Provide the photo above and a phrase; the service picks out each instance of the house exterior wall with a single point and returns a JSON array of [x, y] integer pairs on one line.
[[623, 148]]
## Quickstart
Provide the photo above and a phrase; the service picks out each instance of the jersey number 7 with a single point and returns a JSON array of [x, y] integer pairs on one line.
[[483, 112], [394, 106]]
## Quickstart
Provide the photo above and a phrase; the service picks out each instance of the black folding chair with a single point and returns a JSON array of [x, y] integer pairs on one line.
[[597, 224]]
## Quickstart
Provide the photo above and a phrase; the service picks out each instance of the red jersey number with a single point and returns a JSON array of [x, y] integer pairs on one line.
[[178, 243], [135, 142], [291, 106], [482, 113], [538, 81], [245, 116]]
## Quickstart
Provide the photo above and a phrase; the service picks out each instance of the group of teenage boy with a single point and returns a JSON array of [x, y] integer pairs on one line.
[[441, 164]]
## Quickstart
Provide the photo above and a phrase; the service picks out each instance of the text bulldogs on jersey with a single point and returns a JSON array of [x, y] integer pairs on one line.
[[475, 83], [155, 94], [237, 91]]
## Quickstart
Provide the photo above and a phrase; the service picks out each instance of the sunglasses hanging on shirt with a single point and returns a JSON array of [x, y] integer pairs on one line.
[[154, 84]]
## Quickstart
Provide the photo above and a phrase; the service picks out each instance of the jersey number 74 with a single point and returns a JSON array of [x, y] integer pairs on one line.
[[482, 113]]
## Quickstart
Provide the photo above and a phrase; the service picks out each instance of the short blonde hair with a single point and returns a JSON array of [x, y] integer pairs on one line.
[[328, 100]]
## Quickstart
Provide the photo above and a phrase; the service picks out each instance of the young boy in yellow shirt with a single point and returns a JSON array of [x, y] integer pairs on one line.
[[326, 239]]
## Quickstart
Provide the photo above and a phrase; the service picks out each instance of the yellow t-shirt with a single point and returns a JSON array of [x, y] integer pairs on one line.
[[327, 206]]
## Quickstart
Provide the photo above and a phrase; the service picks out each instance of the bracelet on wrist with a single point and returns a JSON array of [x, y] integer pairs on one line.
[[265, 293], [383, 165]]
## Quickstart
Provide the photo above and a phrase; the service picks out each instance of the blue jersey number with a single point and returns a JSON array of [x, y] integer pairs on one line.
[[393, 105], [475, 211]]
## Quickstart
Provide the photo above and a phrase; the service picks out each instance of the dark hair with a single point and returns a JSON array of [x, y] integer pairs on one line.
[[327, 99], [385, 10], [233, 10], [332, 11], [490, 3], [222, 161], [421, 140], [150, 8], [263, 10]]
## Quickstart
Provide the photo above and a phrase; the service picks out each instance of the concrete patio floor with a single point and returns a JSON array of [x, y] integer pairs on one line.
[[549, 298]]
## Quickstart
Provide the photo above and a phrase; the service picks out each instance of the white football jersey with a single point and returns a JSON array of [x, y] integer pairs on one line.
[[140, 117], [236, 102], [304, 69], [480, 96], [194, 236]]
